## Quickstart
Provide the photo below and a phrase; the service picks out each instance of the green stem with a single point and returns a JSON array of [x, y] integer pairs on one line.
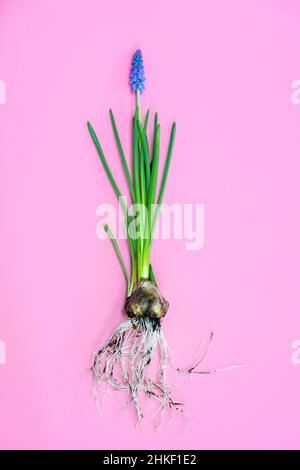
[[136, 172], [138, 102]]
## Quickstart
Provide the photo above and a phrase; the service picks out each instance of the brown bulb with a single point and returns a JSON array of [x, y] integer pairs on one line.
[[146, 300]]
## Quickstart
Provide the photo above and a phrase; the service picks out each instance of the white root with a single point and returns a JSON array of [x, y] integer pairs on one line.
[[124, 360]]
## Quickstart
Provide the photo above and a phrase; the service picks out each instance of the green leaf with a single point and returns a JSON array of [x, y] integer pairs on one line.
[[146, 121], [151, 196], [106, 166], [167, 165], [116, 189], [151, 275], [136, 173], [145, 155], [122, 155], [145, 127], [164, 177], [154, 172]]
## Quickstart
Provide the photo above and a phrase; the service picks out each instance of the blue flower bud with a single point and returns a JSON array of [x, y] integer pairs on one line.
[[137, 74]]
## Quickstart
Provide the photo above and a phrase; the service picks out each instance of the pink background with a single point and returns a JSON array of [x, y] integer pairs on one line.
[[223, 69]]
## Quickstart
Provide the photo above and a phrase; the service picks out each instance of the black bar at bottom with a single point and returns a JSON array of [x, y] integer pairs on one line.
[[136, 458]]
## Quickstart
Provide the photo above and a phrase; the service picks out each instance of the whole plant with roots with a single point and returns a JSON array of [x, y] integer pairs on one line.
[[123, 361]]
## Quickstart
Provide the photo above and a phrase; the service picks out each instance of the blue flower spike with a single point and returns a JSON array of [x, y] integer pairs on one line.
[[137, 74]]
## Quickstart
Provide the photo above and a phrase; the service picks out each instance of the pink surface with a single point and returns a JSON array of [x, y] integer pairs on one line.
[[224, 70]]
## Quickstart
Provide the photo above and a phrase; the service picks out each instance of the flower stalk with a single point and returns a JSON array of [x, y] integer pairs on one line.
[[142, 183]]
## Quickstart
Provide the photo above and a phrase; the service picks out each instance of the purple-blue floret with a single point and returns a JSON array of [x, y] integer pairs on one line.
[[137, 74]]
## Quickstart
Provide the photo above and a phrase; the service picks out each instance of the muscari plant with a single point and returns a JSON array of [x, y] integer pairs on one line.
[[123, 362]]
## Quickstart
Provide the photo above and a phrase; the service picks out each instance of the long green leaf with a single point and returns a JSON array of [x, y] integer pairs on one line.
[[137, 187], [154, 173], [145, 127], [132, 246], [136, 173], [164, 176], [122, 155], [155, 120], [106, 166], [151, 196], [145, 155], [146, 121], [167, 165]]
